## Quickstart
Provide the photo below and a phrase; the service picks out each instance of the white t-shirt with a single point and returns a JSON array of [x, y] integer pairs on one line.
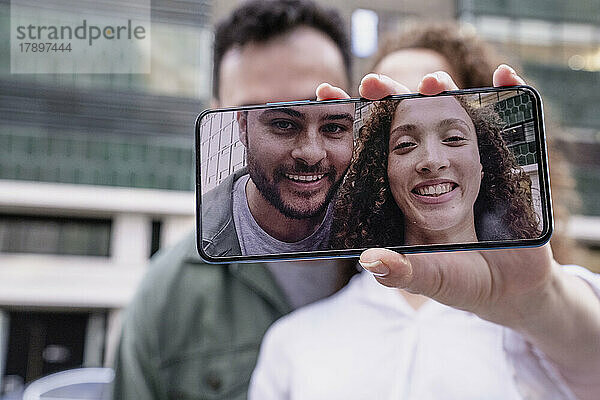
[[366, 342], [254, 240]]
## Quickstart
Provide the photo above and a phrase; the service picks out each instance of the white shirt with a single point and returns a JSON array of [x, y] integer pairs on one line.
[[366, 342]]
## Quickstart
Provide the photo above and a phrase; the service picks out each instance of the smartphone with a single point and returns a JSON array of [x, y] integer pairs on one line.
[[461, 170]]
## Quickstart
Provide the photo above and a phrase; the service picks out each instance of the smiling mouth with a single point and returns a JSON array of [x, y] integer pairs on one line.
[[435, 190], [305, 178]]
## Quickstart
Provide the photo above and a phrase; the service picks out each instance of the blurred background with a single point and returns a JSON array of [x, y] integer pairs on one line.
[[96, 170]]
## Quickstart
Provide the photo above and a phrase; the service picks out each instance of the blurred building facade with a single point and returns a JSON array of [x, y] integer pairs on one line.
[[558, 45], [96, 174], [97, 170]]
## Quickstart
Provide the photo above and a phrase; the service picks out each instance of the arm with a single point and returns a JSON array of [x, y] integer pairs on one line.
[[566, 328], [136, 362], [522, 289]]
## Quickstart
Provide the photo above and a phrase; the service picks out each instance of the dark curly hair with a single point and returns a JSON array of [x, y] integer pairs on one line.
[[260, 21], [367, 215]]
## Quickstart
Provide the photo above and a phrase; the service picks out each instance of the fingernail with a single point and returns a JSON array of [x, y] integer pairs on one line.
[[510, 69], [377, 267]]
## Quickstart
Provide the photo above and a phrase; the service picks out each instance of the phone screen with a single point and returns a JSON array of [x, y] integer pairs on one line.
[[460, 170]]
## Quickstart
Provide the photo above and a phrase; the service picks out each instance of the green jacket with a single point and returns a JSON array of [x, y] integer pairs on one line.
[[193, 330], [219, 237]]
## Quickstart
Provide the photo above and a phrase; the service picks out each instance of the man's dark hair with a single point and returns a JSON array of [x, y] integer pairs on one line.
[[260, 21]]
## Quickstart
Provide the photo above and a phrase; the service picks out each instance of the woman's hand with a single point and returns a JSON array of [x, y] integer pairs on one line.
[[376, 86], [523, 289], [498, 285]]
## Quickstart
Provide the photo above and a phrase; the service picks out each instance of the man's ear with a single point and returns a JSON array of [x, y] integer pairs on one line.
[[242, 120]]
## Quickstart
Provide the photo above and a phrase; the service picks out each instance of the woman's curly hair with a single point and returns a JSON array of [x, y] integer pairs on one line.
[[366, 214]]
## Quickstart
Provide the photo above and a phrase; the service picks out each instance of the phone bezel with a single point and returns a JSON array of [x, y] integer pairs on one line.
[[541, 158]]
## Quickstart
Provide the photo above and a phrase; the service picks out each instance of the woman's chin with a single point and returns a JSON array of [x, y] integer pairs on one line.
[[438, 229]]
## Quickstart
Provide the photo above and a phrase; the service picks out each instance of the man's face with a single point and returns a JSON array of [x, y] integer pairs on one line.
[[286, 149], [297, 156], [288, 67]]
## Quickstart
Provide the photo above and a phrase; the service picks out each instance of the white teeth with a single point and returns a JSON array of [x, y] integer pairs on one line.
[[434, 190], [304, 178]]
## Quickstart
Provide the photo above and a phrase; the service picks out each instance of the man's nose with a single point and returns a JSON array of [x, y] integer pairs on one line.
[[309, 148], [433, 158]]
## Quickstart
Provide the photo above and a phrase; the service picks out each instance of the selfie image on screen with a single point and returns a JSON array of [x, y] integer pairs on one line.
[[449, 169], [401, 172]]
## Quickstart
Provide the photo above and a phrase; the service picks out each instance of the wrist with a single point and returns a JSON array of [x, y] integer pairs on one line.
[[525, 310], [533, 310], [562, 320]]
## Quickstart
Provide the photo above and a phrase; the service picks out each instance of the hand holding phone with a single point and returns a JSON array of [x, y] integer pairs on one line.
[[412, 173], [506, 286]]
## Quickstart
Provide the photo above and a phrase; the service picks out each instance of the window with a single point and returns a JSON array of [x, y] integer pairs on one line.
[[54, 235], [155, 236]]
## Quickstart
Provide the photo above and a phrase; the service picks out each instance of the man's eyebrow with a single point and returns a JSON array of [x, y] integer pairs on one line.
[[289, 111], [448, 122], [337, 117]]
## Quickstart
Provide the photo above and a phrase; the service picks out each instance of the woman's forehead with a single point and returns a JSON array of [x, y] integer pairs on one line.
[[408, 66], [426, 110]]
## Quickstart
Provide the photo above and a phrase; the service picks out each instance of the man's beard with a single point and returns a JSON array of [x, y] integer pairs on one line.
[[270, 190]]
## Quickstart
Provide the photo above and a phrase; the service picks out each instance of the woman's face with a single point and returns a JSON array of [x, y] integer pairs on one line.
[[434, 169]]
